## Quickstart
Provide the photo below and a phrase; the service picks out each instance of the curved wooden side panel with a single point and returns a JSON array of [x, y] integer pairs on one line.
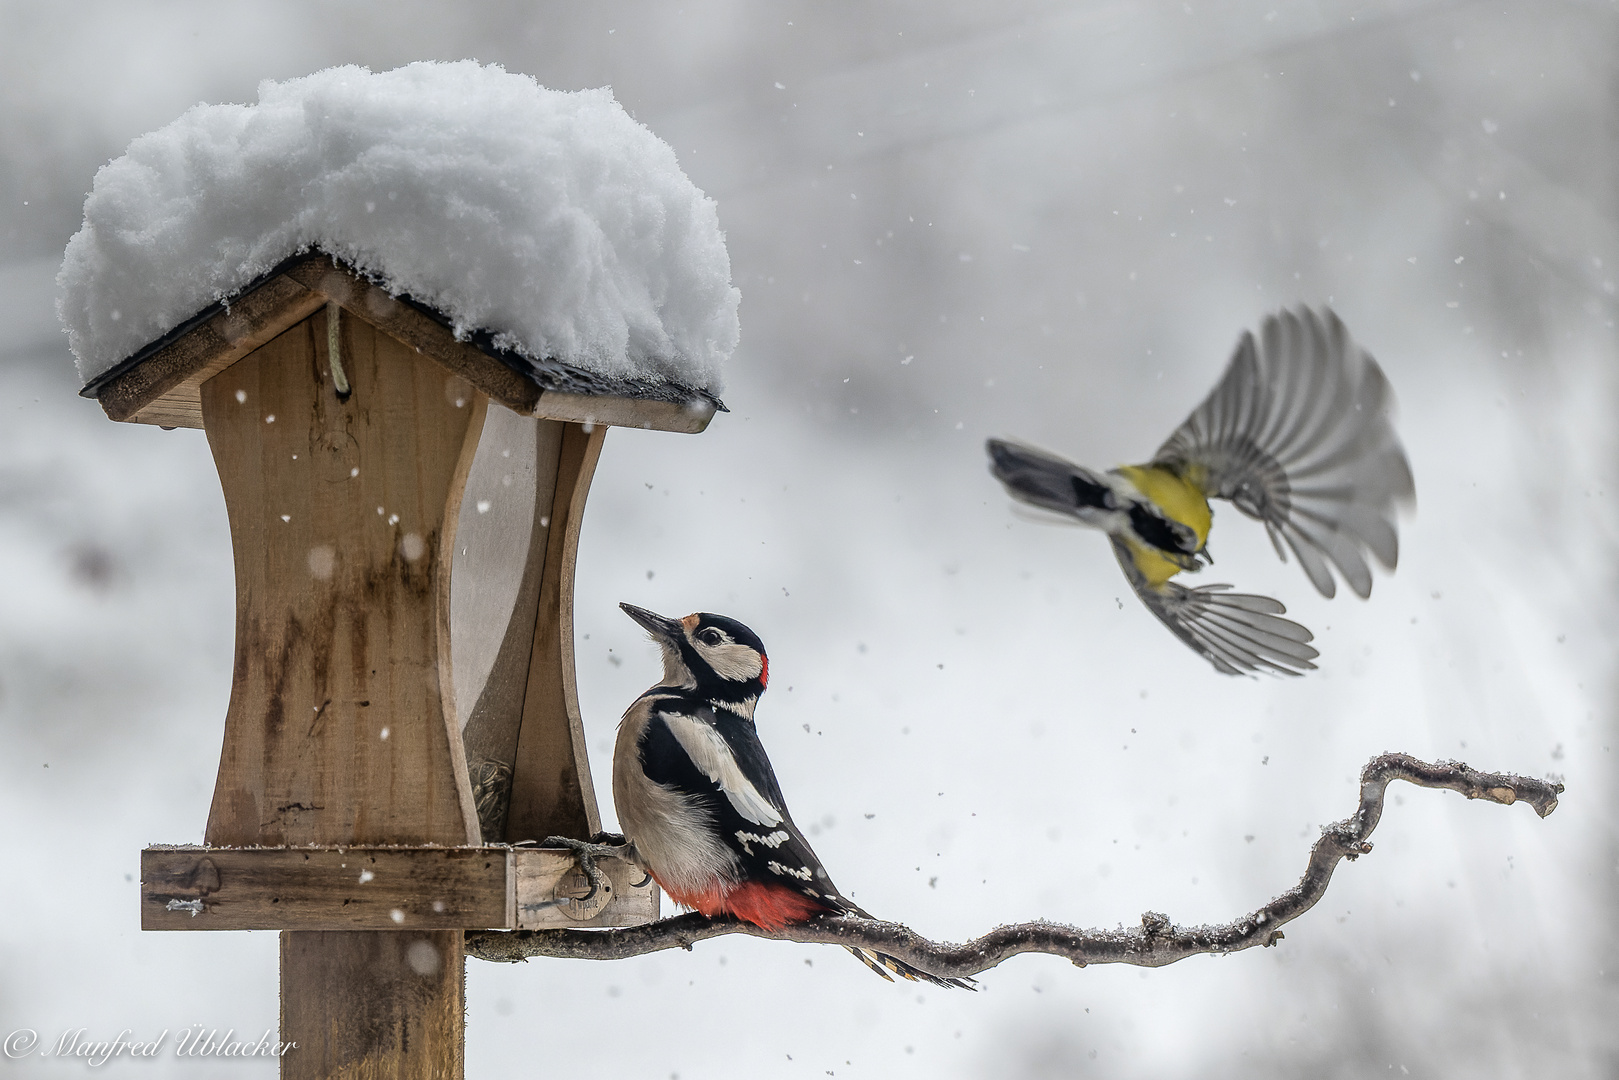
[[341, 725], [491, 581], [552, 793]]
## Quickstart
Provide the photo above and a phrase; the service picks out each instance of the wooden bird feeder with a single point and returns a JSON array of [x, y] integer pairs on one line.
[[359, 808]]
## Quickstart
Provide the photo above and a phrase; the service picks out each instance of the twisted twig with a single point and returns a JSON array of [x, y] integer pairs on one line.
[[1155, 943]]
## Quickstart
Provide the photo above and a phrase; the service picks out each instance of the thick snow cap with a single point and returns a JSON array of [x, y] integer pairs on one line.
[[550, 219]]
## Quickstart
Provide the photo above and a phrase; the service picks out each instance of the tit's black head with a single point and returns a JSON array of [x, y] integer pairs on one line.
[[1162, 531], [714, 655]]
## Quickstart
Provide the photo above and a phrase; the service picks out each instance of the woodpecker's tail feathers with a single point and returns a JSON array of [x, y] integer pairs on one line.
[[1239, 633], [882, 964]]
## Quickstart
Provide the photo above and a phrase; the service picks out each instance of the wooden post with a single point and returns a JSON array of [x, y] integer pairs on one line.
[[340, 728], [373, 1003]]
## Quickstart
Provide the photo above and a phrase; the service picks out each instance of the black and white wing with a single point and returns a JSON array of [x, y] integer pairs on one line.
[[1299, 435], [1239, 633], [714, 758], [793, 856]]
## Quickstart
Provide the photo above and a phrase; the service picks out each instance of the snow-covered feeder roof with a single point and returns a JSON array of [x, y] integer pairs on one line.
[[546, 229]]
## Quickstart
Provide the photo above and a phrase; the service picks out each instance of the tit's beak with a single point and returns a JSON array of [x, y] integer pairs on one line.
[[1208, 559], [660, 628]]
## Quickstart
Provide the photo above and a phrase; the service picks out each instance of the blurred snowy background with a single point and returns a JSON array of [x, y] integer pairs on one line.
[[948, 220]]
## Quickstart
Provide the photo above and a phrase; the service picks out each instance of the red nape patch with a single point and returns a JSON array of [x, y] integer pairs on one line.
[[760, 903], [764, 670]]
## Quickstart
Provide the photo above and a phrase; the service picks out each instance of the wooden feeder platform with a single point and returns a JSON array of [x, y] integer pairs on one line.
[[384, 888]]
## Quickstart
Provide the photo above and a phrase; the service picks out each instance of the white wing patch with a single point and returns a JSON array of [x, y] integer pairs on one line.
[[803, 873], [709, 752], [771, 840]]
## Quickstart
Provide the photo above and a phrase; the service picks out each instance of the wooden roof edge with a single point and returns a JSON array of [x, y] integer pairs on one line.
[[292, 290], [549, 376], [94, 388]]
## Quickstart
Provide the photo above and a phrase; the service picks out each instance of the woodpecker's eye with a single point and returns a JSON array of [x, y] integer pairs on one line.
[[710, 636]]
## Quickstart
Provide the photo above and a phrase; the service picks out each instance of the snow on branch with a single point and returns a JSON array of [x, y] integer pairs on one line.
[[1155, 943]]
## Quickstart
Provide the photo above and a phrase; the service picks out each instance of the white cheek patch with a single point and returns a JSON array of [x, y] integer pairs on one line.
[[708, 751], [732, 661]]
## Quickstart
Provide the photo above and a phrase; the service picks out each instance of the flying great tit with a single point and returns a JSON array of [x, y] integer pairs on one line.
[[1298, 434]]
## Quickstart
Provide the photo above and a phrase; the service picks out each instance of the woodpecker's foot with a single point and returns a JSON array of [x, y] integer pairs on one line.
[[586, 852], [619, 840]]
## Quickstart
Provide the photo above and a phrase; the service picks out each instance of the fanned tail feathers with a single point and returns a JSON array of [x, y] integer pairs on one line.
[[882, 964]]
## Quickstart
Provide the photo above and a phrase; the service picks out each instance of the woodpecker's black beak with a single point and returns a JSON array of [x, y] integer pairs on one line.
[[659, 627]]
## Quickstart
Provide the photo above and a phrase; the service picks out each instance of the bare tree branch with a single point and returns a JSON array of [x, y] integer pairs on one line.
[[1155, 943]]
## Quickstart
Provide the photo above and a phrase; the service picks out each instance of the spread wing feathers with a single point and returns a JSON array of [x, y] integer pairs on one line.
[[1238, 633], [1298, 434], [724, 766]]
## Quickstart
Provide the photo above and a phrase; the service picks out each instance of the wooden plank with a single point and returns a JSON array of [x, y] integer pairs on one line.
[[165, 388], [690, 418], [542, 875], [552, 792], [321, 889], [383, 888], [375, 1005], [342, 516], [177, 409]]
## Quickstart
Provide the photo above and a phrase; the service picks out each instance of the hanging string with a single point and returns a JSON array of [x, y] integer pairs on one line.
[[334, 351]]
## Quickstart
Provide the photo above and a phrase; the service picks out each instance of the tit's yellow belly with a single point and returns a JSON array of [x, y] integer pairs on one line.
[[1178, 499], [1151, 562]]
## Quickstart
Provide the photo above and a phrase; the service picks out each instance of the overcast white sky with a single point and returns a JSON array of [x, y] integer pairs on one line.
[[948, 221]]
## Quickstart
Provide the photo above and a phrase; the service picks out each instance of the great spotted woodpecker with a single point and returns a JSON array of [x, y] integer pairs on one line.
[[1298, 434], [696, 796]]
